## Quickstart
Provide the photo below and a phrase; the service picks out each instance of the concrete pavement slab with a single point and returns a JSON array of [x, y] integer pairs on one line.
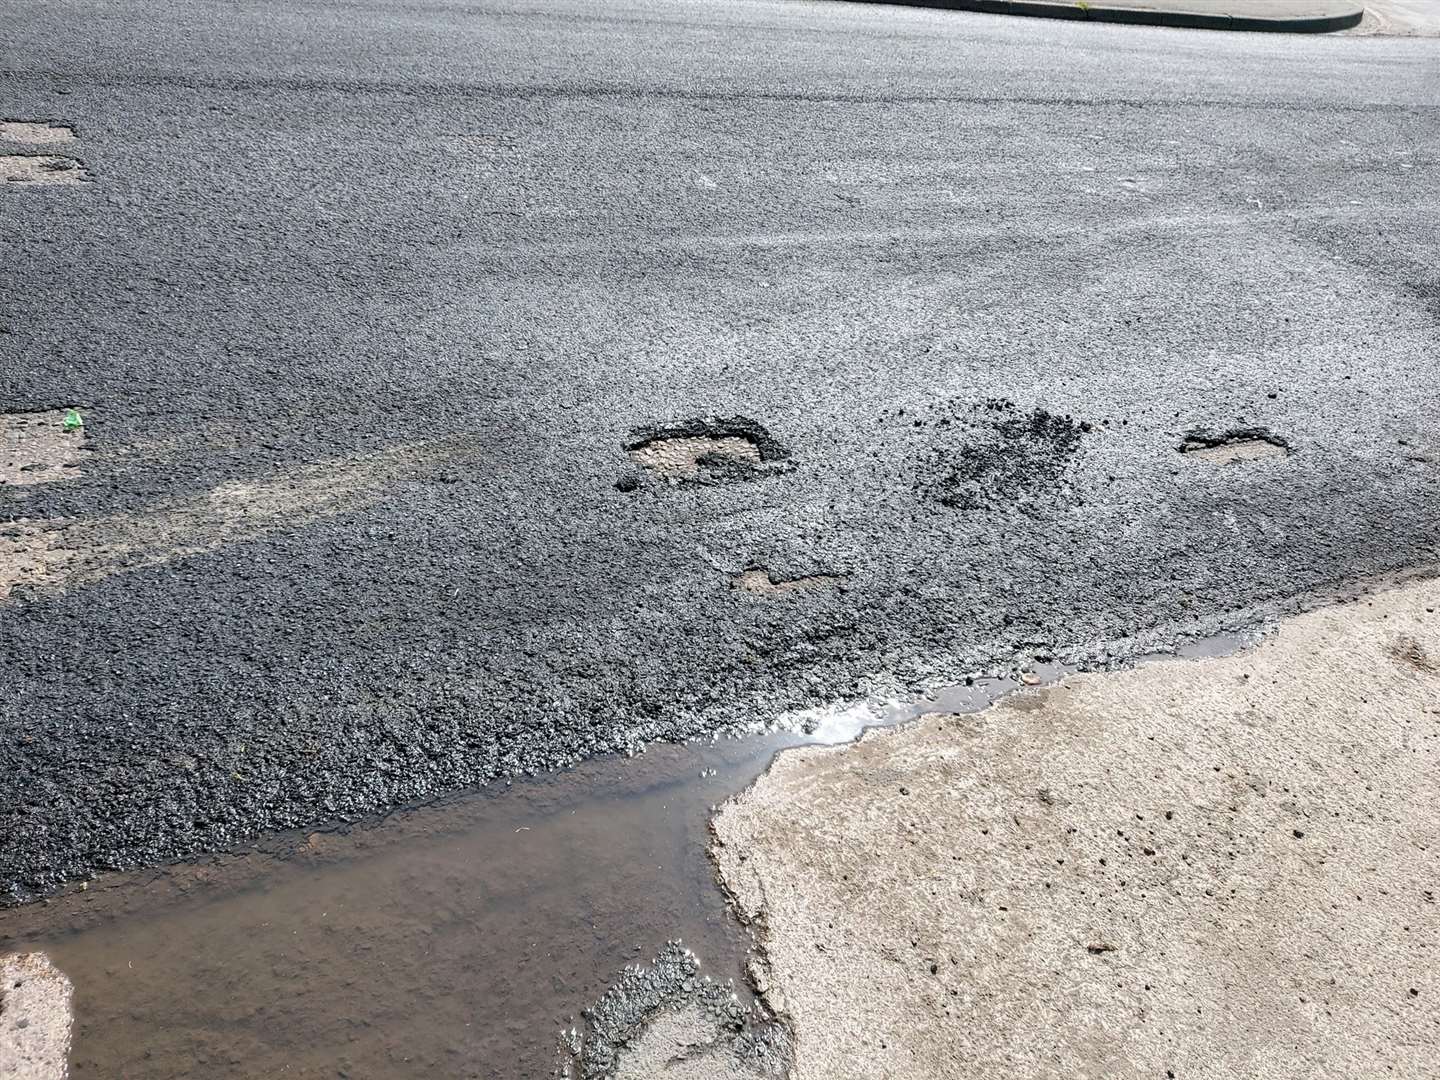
[[1205, 869]]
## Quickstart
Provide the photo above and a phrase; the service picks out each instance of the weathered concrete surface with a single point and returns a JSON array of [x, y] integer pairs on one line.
[[35, 1018], [1401, 18], [1222, 868]]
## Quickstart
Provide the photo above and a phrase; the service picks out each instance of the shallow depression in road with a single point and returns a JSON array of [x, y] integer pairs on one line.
[[40, 447], [706, 450], [759, 581], [41, 169], [37, 133], [1234, 446], [686, 456]]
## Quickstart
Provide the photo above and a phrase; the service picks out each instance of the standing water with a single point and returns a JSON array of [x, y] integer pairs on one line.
[[454, 939]]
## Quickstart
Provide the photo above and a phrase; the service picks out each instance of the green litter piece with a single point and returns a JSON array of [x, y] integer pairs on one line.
[[73, 422]]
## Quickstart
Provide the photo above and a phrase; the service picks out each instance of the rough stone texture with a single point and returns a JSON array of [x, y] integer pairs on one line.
[[35, 1018], [1219, 868]]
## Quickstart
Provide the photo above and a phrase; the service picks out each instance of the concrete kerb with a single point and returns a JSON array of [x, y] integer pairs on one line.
[[1320, 19]]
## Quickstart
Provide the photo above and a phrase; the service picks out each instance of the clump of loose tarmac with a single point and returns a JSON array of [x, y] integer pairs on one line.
[[994, 454], [669, 1019], [1199, 868]]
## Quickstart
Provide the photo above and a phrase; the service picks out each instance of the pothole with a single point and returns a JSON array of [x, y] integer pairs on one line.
[[761, 582], [1235, 445], [686, 456], [28, 553], [41, 169], [38, 133], [40, 447], [705, 450]]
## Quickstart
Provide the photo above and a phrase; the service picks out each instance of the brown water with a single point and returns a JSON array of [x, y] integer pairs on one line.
[[454, 939], [448, 940]]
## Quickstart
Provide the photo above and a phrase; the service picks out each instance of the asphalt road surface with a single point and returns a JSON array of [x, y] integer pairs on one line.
[[363, 303]]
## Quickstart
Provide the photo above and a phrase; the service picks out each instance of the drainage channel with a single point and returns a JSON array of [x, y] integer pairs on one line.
[[458, 938]]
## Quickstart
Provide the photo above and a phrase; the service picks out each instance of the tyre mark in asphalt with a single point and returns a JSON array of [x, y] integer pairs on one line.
[[1003, 238]]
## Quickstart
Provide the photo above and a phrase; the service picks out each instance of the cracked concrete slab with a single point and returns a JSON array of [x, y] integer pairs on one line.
[[1208, 868]]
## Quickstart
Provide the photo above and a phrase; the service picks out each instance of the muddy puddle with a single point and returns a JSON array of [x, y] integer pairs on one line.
[[456, 939], [449, 940]]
